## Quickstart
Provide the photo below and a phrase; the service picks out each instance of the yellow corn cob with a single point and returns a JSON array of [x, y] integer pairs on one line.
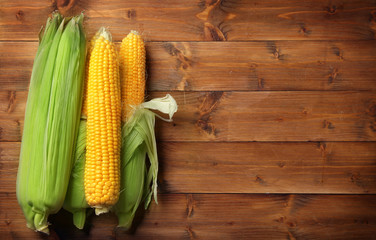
[[102, 168], [133, 166], [132, 72]]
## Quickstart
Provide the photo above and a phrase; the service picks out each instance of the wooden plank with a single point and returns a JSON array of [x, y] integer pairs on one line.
[[245, 116], [9, 156], [327, 167], [12, 111], [271, 116], [331, 167], [220, 216], [16, 63], [225, 66], [271, 65], [191, 20]]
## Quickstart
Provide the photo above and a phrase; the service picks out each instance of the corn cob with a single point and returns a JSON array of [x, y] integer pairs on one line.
[[102, 170], [51, 121], [38, 85], [134, 131], [132, 72]]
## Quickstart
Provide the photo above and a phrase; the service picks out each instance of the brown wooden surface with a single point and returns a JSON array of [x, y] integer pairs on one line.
[[275, 136], [223, 216], [200, 20], [226, 66], [245, 116], [324, 167]]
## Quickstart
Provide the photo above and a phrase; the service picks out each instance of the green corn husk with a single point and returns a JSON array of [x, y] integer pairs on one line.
[[75, 201], [137, 134], [51, 121], [40, 85], [139, 184]]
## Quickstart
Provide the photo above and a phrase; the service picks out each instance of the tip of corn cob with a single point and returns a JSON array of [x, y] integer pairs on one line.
[[103, 32], [133, 32]]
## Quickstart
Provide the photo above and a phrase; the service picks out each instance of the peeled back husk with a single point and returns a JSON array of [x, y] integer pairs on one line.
[[139, 184]]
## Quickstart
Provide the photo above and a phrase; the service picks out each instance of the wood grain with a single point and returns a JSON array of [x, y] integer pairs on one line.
[[277, 116], [270, 65], [325, 167], [227, 66], [220, 216], [272, 116], [192, 20], [245, 116]]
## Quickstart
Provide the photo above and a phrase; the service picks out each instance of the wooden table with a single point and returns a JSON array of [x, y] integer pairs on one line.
[[276, 128]]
